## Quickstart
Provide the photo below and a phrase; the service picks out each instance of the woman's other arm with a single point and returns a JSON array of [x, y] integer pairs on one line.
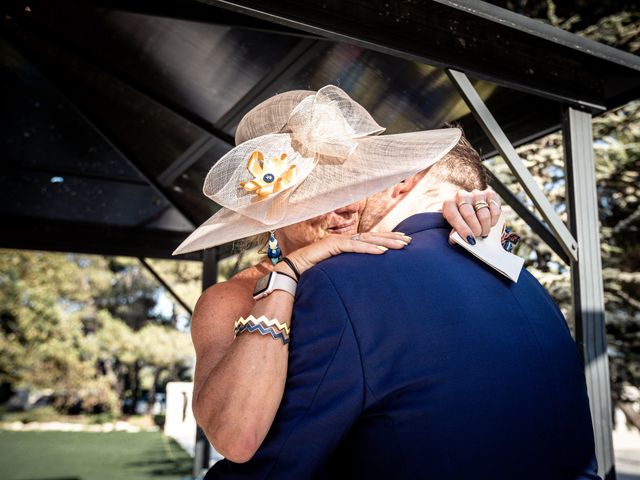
[[239, 382]]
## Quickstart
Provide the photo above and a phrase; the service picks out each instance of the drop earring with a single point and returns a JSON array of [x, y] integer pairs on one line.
[[273, 249]]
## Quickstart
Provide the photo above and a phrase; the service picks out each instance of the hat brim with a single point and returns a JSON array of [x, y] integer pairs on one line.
[[378, 162]]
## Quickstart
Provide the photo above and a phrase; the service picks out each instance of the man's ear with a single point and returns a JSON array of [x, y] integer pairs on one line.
[[405, 186]]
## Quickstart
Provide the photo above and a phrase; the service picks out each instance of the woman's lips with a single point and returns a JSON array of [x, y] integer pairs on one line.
[[344, 228]]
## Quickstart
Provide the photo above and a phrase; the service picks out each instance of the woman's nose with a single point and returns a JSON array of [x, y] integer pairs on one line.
[[352, 208]]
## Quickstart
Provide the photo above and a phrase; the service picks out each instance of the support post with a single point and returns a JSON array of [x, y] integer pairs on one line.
[[586, 279], [202, 451]]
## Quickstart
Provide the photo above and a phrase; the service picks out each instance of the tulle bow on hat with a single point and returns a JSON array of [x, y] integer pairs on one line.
[[329, 122], [322, 128]]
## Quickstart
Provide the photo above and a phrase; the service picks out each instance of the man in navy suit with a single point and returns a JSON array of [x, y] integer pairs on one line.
[[426, 363]]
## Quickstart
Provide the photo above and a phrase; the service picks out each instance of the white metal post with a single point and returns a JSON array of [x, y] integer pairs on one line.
[[586, 279]]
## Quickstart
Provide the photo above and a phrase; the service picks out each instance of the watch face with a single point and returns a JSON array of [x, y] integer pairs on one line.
[[262, 285]]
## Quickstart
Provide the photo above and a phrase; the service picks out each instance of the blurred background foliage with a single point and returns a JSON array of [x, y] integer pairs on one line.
[[86, 331]]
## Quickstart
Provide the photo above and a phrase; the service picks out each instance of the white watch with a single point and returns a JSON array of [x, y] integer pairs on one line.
[[274, 281]]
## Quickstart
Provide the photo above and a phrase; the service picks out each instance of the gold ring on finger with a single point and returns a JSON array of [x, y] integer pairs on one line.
[[481, 204], [463, 202], [495, 203]]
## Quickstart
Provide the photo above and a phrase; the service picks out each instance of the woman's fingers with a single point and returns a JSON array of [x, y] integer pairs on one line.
[[393, 240], [482, 212], [357, 246], [373, 243], [472, 214], [495, 206], [368, 242], [458, 211]]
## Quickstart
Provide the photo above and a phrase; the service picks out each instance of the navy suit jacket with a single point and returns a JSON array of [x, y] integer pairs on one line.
[[425, 363]]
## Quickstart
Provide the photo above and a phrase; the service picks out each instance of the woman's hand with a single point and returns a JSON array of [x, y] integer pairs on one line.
[[374, 243], [459, 211]]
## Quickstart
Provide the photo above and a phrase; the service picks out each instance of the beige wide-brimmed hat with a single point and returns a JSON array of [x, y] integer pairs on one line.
[[301, 154]]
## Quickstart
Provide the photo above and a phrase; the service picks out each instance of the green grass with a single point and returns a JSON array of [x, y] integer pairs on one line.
[[91, 456]]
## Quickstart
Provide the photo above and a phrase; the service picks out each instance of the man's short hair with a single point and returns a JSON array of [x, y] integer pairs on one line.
[[461, 167]]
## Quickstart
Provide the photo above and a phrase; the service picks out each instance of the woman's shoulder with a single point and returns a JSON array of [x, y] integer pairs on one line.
[[240, 286], [251, 274]]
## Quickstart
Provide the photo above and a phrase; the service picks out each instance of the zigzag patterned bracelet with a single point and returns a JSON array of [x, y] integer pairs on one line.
[[262, 319], [264, 326]]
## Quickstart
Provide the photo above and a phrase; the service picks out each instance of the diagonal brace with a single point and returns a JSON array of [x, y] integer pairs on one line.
[[504, 146], [166, 286]]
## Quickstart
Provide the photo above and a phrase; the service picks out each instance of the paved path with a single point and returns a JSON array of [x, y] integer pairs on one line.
[[626, 445]]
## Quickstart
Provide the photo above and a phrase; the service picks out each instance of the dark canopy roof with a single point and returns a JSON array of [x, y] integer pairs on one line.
[[112, 117]]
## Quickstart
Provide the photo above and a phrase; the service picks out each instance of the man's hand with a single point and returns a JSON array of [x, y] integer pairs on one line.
[[468, 221]]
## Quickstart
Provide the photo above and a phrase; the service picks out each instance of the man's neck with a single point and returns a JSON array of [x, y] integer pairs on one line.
[[423, 198]]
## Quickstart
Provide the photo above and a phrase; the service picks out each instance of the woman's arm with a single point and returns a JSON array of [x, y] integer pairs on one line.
[[239, 382]]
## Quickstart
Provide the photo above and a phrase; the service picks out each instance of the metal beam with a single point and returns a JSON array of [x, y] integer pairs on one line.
[[586, 279], [504, 146], [290, 65], [165, 285], [190, 156], [152, 182], [443, 34], [523, 118], [31, 233], [182, 10], [34, 26], [304, 52], [542, 30], [203, 447], [16, 168], [65, 243]]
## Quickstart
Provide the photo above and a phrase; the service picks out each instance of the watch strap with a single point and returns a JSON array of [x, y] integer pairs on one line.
[[282, 281], [278, 281]]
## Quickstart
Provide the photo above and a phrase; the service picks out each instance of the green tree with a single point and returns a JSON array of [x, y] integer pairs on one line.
[[79, 327], [40, 345], [163, 349]]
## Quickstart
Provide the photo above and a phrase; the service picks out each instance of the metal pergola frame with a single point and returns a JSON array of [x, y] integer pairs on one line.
[[575, 74]]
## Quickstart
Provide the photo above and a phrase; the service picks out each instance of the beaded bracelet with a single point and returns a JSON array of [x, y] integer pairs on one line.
[[264, 326]]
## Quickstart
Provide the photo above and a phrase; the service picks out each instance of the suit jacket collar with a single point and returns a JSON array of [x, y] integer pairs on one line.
[[421, 221]]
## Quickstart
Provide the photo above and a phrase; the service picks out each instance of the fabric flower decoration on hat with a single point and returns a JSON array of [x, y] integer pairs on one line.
[[270, 176]]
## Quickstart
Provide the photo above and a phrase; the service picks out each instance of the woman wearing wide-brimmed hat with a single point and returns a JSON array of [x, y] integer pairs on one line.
[[304, 164]]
